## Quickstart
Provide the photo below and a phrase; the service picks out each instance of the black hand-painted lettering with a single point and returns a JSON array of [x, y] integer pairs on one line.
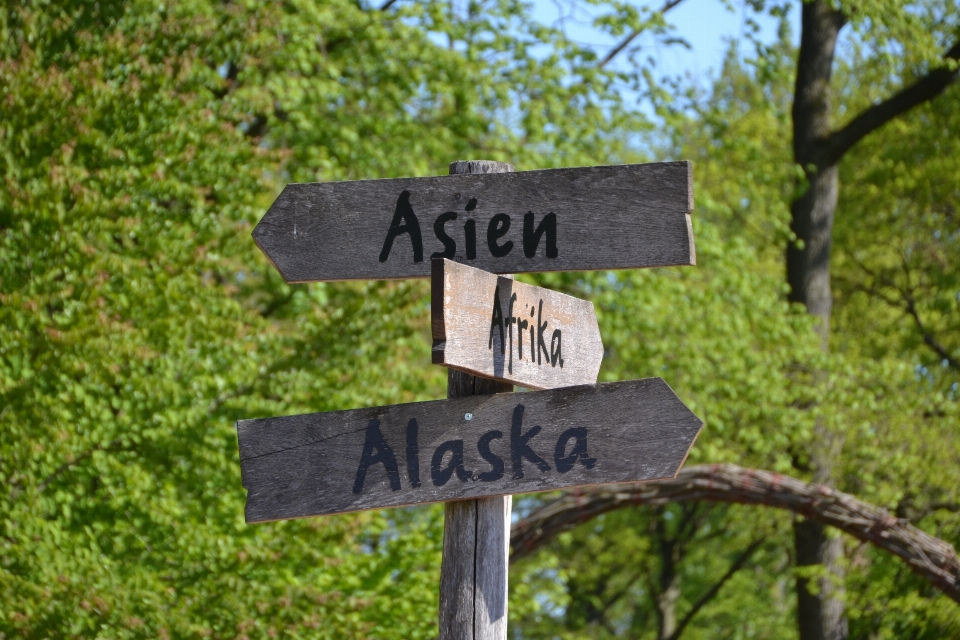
[[470, 237], [413, 454], [566, 462], [509, 322], [519, 449], [483, 446], [449, 245], [531, 238], [374, 440], [556, 356], [521, 325], [440, 476], [497, 321], [411, 225], [541, 329], [533, 347], [471, 204], [498, 227]]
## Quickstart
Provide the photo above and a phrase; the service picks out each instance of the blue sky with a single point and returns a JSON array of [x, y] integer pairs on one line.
[[707, 25]]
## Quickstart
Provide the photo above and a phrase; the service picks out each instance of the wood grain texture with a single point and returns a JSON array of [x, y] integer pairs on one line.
[[476, 533], [308, 465], [473, 575], [611, 217], [492, 567], [495, 327], [462, 167], [458, 570]]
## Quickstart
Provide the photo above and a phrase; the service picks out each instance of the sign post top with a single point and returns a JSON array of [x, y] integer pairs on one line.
[[587, 218]]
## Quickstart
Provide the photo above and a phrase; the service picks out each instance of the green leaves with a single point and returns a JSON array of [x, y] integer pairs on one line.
[[139, 144], [142, 140]]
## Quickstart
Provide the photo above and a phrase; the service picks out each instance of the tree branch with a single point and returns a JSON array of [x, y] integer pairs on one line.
[[277, 303], [116, 445], [669, 4], [715, 589], [930, 558], [923, 90], [907, 304], [928, 338]]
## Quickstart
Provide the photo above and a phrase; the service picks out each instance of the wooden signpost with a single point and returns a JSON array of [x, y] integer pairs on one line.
[[618, 217], [506, 443], [495, 327], [482, 444]]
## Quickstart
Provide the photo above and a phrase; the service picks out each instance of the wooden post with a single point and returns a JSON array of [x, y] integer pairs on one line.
[[476, 533]]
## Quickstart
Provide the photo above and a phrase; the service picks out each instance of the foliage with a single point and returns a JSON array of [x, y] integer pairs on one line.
[[722, 337], [139, 143]]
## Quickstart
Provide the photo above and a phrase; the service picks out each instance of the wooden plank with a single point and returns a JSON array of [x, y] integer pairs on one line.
[[442, 450], [614, 217], [476, 533], [495, 327]]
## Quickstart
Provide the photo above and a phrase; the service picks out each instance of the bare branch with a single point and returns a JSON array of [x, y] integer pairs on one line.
[[928, 338], [715, 589], [277, 303], [907, 304], [386, 5], [116, 445], [923, 90], [910, 306], [930, 558], [669, 4]]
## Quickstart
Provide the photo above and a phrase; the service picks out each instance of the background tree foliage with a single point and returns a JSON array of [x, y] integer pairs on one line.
[[891, 414], [139, 143]]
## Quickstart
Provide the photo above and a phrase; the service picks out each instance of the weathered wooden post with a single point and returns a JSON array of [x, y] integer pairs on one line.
[[476, 533]]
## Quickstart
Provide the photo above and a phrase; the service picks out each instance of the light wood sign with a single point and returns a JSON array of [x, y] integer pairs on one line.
[[495, 327], [614, 217], [341, 461]]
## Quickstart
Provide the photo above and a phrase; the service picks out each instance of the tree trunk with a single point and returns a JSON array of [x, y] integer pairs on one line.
[[808, 260], [820, 612], [667, 609], [669, 593]]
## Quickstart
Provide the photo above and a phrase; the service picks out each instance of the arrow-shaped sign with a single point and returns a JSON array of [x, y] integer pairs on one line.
[[507, 443], [616, 217], [495, 327]]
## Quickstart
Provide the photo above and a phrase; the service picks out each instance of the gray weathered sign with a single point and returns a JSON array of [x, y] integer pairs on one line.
[[612, 217], [471, 447]]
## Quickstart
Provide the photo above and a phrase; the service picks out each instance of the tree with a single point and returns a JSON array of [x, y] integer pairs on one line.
[[139, 143], [818, 149], [928, 556], [925, 36]]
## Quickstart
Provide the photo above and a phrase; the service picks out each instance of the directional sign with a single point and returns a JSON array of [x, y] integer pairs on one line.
[[491, 326], [616, 217], [506, 443]]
